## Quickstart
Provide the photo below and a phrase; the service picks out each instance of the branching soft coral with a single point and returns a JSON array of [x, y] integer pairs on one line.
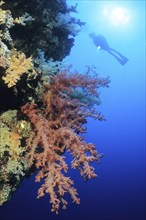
[[55, 129], [12, 156], [19, 65], [13, 63]]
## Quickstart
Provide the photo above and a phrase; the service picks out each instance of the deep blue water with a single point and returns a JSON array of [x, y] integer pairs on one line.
[[119, 191]]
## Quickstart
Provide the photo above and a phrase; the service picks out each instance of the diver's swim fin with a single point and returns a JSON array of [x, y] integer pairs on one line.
[[119, 57], [124, 61]]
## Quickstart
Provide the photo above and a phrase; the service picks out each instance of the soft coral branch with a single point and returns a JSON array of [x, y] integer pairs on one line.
[[55, 129]]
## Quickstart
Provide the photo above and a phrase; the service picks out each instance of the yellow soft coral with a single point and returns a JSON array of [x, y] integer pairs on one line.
[[1, 3], [12, 155], [19, 65]]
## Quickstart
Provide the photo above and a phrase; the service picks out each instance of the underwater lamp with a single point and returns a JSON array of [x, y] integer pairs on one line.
[[116, 15]]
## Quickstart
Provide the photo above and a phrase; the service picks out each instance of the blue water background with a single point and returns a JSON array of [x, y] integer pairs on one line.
[[118, 193]]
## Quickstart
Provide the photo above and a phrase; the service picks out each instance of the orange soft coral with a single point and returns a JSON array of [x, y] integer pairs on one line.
[[56, 128]]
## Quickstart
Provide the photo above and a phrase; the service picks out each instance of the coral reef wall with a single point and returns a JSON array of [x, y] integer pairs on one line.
[[51, 30], [44, 106]]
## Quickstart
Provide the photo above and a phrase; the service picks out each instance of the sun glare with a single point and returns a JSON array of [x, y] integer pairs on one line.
[[116, 15]]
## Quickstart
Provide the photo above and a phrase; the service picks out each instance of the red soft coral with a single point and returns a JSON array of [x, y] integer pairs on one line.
[[56, 128]]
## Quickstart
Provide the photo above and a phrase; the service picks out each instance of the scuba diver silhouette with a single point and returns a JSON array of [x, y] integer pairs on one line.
[[101, 42]]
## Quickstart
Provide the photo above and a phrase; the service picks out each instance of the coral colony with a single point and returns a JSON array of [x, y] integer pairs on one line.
[[44, 106]]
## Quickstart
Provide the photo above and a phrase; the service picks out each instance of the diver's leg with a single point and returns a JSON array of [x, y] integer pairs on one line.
[[121, 59], [124, 59]]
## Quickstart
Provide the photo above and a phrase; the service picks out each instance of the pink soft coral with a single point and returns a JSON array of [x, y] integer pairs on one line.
[[56, 128]]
